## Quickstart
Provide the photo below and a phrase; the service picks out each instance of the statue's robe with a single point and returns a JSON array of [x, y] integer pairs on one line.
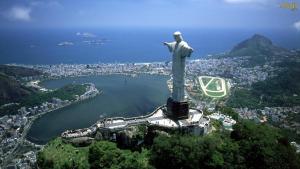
[[180, 51]]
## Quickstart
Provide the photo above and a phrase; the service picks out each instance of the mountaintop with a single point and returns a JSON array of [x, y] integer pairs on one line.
[[11, 89], [256, 45], [17, 71]]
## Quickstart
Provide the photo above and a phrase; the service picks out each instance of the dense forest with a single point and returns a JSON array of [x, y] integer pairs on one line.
[[249, 146]]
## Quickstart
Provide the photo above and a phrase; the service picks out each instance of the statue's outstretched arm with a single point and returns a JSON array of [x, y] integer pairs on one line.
[[169, 45], [191, 50]]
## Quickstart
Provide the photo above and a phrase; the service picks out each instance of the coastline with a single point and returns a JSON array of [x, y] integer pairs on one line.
[[31, 120], [35, 117], [104, 74]]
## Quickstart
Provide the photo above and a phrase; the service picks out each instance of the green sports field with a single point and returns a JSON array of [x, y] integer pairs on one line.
[[215, 87]]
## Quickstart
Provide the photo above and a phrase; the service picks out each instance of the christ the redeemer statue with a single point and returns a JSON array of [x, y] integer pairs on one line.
[[180, 50]]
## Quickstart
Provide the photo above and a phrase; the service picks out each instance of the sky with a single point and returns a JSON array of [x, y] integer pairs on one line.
[[209, 14]]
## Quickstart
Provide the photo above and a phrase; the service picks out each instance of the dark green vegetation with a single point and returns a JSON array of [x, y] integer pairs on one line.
[[249, 146], [67, 92], [281, 90], [242, 97], [11, 90], [18, 72], [106, 155], [263, 146], [229, 111], [102, 154], [57, 154], [205, 80]]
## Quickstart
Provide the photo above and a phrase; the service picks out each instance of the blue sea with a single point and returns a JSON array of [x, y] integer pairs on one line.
[[40, 46]]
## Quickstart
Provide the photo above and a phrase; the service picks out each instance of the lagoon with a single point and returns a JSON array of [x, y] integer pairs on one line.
[[122, 96]]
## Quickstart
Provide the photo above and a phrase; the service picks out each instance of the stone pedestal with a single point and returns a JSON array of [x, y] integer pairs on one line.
[[177, 110]]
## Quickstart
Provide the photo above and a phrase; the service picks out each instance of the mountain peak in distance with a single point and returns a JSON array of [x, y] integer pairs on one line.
[[256, 45]]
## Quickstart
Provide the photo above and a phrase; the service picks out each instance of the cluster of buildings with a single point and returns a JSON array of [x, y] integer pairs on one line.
[[70, 70], [13, 128], [55, 103], [231, 68], [35, 84], [281, 116], [249, 114], [226, 121], [91, 91], [10, 132], [27, 161]]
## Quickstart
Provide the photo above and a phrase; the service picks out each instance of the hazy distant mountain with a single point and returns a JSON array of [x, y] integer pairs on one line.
[[260, 49], [256, 45], [17, 71], [11, 90]]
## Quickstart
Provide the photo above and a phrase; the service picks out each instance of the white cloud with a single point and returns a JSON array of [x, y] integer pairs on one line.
[[19, 13], [297, 25]]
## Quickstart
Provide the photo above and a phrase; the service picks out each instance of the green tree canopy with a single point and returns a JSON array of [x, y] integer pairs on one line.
[[189, 152], [106, 155], [263, 146]]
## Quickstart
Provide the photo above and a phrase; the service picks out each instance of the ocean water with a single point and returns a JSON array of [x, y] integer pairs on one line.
[[40, 46], [122, 96]]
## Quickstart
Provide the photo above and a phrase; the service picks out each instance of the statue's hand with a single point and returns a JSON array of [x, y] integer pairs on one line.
[[165, 43]]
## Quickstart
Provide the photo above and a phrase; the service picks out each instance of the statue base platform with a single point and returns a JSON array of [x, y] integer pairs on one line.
[[177, 110]]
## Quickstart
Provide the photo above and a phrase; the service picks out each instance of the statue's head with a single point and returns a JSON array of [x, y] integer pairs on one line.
[[177, 36]]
